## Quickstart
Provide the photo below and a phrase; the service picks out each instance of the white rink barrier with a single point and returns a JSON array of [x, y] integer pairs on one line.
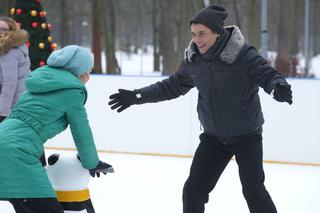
[[291, 133]]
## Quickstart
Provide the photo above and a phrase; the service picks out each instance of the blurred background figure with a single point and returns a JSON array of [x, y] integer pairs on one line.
[[14, 64]]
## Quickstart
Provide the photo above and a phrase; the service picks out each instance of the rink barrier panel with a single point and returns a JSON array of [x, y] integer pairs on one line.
[[178, 156], [171, 128]]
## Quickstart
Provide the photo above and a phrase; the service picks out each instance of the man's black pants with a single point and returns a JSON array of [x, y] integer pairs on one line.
[[209, 162], [36, 205]]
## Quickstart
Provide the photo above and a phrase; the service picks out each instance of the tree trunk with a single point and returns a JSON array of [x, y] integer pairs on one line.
[[155, 30], [253, 14], [96, 36], [215, 1], [237, 13], [185, 11], [5, 7], [109, 31], [140, 27], [285, 37], [297, 23], [183, 36], [64, 29], [77, 22], [316, 29], [167, 36], [196, 6]]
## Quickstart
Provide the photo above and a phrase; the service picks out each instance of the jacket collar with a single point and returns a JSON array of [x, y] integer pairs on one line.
[[234, 45], [218, 46]]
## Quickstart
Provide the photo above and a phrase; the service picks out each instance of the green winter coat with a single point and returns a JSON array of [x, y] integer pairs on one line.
[[54, 99]]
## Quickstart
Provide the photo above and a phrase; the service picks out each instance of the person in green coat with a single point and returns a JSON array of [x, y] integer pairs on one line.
[[54, 98]]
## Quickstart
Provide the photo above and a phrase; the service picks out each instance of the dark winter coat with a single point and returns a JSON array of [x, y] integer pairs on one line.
[[228, 78]]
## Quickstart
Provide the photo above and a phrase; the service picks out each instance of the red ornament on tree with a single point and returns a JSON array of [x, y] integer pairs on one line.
[[38, 1], [49, 26], [54, 46], [42, 14], [34, 24], [18, 11], [42, 63]]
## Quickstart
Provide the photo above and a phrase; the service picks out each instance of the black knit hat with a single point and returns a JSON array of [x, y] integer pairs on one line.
[[212, 17]]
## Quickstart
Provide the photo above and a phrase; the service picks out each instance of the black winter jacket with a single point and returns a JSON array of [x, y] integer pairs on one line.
[[228, 84]]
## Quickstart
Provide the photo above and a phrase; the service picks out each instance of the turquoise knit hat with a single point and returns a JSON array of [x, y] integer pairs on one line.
[[73, 58]]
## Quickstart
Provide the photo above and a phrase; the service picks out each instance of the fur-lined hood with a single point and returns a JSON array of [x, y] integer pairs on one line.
[[12, 39], [234, 45]]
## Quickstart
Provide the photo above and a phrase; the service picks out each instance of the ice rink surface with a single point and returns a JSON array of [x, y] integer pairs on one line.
[[153, 184]]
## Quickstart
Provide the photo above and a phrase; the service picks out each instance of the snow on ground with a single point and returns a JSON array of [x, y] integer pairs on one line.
[[154, 184]]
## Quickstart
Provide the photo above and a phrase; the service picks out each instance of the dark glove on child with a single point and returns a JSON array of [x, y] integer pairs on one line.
[[2, 118], [124, 99], [101, 167], [282, 93]]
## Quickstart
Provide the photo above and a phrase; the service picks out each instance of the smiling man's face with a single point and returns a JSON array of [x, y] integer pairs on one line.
[[203, 37]]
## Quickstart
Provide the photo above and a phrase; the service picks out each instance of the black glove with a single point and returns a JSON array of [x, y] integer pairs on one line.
[[282, 93], [43, 159], [124, 99], [191, 51], [101, 167], [2, 118]]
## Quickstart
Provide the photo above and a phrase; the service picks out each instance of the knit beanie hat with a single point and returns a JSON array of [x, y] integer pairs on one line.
[[212, 17], [73, 58]]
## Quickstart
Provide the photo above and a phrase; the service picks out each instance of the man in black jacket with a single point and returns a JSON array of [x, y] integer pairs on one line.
[[227, 73]]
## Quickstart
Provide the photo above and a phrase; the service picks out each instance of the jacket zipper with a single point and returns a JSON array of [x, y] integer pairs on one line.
[[213, 96]]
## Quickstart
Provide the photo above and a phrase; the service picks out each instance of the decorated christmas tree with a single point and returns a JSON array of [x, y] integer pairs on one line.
[[32, 18]]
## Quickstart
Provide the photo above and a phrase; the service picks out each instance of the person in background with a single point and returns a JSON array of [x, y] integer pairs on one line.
[[54, 98], [227, 73], [14, 64]]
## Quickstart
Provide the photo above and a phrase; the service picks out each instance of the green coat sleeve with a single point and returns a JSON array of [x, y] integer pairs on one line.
[[81, 131]]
